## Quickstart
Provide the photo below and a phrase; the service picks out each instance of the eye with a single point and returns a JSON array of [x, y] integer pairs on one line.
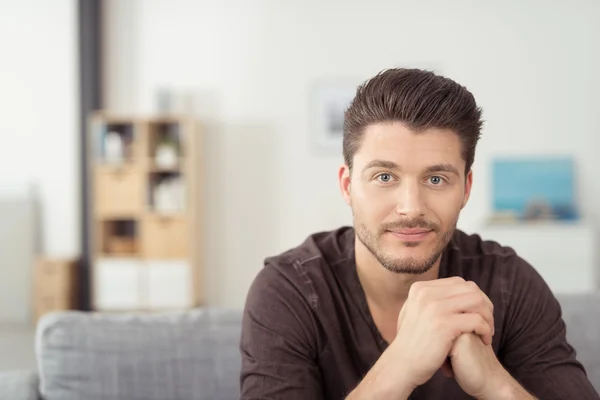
[[436, 180], [385, 177]]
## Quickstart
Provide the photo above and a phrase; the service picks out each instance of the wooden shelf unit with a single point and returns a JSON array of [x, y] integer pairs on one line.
[[144, 222]]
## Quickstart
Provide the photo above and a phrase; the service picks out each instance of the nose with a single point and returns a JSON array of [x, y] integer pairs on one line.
[[410, 201]]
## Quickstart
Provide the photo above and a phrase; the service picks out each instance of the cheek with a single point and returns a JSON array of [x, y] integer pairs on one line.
[[372, 202], [445, 205]]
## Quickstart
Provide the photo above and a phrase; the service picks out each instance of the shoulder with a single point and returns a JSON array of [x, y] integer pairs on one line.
[[474, 246], [311, 258], [328, 245], [290, 273], [489, 257], [283, 296], [511, 281]]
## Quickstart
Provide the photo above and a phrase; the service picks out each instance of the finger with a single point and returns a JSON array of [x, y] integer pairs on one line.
[[452, 286], [488, 303], [451, 280], [470, 303], [436, 283], [470, 323], [484, 296], [471, 287], [433, 290]]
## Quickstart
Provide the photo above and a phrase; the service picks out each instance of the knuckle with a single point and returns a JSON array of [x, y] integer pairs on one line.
[[476, 300], [484, 324], [419, 291], [415, 288], [481, 299]]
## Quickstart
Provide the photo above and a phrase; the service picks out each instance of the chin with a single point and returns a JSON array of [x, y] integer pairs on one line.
[[413, 261], [408, 266], [414, 250]]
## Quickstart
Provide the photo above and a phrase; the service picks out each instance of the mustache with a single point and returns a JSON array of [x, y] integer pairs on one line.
[[409, 224]]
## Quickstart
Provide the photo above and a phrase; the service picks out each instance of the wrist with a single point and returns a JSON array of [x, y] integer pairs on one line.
[[404, 381], [503, 386], [389, 378]]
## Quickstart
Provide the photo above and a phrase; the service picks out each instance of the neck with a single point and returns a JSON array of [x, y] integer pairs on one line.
[[388, 290]]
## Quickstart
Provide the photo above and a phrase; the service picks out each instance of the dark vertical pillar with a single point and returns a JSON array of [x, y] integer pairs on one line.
[[90, 88]]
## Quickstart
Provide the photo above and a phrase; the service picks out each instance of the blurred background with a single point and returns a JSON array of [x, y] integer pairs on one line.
[[238, 102]]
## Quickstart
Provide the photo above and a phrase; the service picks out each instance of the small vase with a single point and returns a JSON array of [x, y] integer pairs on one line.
[[166, 156]]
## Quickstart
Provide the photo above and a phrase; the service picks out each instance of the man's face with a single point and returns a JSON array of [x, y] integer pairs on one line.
[[406, 191]]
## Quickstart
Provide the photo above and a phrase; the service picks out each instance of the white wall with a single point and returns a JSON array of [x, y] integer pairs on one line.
[[532, 66], [38, 103]]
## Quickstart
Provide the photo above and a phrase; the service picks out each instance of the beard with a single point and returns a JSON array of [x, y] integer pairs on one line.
[[404, 265]]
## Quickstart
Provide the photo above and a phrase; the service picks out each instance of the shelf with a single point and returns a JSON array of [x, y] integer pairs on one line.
[[143, 213], [166, 215], [165, 238], [115, 168], [124, 256], [165, 141], [118, 238], [118, 191], [177, 166], [114, 141], [167, 192]]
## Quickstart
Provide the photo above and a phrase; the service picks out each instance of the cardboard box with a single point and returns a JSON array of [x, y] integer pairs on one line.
[[54, 286]]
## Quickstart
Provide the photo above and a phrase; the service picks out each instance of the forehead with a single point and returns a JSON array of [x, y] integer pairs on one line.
[[412, 151]]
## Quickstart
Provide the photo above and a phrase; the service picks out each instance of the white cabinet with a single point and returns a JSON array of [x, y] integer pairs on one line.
[[133, 284], [169, 284], [564, 254], [117, 284]]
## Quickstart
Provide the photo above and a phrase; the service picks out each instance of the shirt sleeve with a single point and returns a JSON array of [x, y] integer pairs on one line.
[[279, 344], [536, 351]]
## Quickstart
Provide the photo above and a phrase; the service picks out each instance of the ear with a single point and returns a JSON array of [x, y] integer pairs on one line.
[[344, 181], [468, 185]]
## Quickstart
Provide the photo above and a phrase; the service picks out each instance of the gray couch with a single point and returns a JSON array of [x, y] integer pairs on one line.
[[188, 356]]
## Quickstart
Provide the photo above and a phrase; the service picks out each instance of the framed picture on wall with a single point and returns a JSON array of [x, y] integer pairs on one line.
[[328, 103], [526, 188], [329, 100]]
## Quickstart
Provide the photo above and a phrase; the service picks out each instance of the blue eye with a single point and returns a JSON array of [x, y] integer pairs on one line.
[[436, 180], [385, 178]]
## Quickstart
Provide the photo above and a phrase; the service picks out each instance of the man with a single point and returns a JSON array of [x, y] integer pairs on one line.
[[404, 305]]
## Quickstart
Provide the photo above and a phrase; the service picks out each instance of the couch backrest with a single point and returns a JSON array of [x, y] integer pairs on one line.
[[195, 355], [191, 355], [581, 313]]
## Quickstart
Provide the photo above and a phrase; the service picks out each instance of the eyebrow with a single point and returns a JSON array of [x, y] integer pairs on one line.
[[380, 164], [431, 169], [442, 168]]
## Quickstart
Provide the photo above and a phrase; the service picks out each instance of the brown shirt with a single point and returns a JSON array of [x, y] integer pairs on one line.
[[308, 334]]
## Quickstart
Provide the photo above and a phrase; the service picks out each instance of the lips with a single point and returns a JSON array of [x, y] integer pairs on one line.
[[412, 235], [411, 231]]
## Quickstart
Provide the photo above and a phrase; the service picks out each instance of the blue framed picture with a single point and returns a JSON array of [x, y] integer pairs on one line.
[[535, 188]]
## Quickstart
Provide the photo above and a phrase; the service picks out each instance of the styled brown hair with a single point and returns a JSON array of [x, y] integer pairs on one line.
[[418, 98]]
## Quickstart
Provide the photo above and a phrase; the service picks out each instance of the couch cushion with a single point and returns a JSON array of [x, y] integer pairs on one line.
[[581, 313], [19, 385], [187, 355]]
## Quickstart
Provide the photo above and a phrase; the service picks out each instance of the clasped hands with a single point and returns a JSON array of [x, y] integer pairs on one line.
[[448, 323]]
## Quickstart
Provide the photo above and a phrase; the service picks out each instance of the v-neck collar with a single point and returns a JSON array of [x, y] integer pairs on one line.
[[360, 298]]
